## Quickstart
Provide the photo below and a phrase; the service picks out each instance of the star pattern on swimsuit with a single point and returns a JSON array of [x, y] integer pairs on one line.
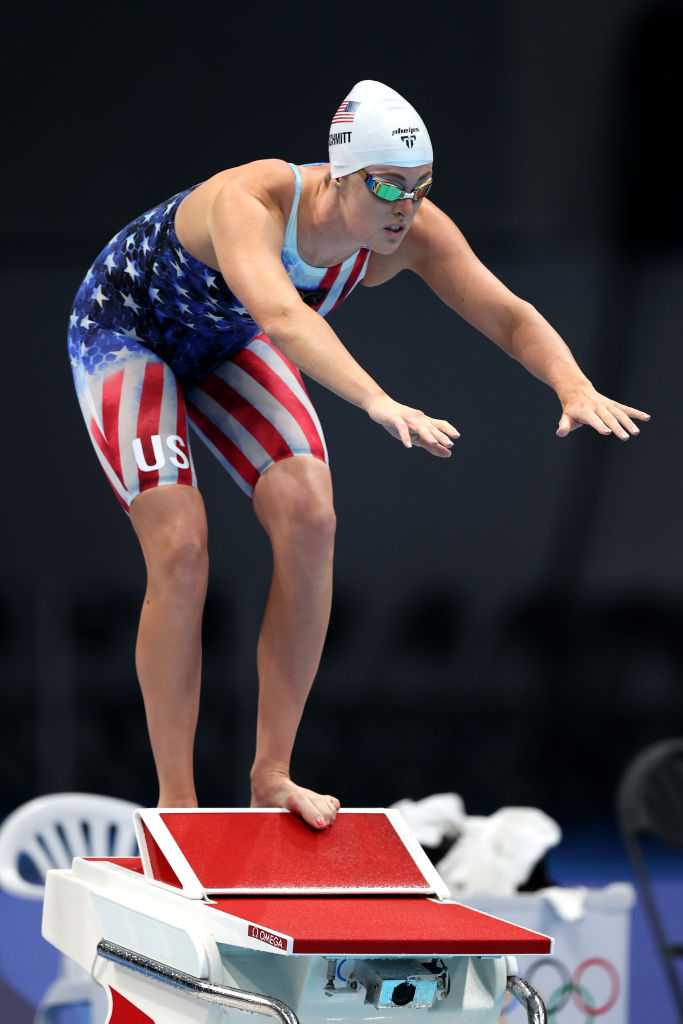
[[144, 288]]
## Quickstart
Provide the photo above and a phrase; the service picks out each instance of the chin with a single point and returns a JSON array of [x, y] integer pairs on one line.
[[386, 247]]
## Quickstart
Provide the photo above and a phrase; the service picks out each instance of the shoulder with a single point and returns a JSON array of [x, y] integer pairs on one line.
[[269, 180]]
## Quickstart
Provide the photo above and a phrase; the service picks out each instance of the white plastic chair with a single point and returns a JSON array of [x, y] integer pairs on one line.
[[49, 832]]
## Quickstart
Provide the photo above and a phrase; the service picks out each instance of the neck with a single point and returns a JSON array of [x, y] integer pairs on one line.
[[324, 238]]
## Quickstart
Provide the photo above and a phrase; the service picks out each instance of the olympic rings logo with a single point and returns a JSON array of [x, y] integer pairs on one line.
[[570, 986], [341, 977]]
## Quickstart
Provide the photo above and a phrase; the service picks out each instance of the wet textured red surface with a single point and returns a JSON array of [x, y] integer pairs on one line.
[[383, 924], [280, 851]]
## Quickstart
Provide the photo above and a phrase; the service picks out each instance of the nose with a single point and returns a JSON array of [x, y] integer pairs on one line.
[[404, 206]]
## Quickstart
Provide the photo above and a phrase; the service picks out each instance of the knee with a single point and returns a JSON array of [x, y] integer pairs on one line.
[[180, 557], [299, 515], [315, 518], [308, 519]]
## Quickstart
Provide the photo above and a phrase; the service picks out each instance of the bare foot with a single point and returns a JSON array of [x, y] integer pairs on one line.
[[272, 787]]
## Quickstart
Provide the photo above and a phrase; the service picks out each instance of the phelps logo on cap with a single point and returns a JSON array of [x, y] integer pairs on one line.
[[375, 125]]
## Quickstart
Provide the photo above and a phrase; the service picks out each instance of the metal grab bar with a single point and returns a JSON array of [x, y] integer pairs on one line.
[[529, 997], [236, 998], [252, 1002]]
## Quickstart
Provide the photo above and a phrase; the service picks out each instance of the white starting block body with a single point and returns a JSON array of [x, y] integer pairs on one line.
[[228, 911]]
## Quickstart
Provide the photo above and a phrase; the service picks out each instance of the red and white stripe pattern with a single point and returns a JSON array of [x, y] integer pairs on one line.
[[253, 411], [137, 421], [340, 280]]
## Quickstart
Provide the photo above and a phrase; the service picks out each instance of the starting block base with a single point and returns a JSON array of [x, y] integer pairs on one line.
[[171, 936]]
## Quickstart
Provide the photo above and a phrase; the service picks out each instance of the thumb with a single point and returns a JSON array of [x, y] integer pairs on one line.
[[401, 429], [564, 426]]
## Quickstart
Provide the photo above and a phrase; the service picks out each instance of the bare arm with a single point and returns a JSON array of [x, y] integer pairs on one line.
[[445, 261], [247, 225], [440, 254], [247, 230]]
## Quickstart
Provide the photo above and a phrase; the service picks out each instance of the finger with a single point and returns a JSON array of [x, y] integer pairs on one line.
[[593, 420], [573, 425], [613, 423], [441, 436], [421, 430], [431, 444], [636, 413], [440, 450], [625, 420], [426, 429], [564, 426], [447, 427]]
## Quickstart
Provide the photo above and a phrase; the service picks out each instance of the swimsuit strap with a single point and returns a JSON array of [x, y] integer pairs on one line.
[[290, 234]]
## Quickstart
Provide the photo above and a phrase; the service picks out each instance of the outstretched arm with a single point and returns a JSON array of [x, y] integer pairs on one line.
[[439, 253]]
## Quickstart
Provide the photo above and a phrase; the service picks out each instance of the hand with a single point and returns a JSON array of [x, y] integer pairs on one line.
[[412, 426], [583, 404]]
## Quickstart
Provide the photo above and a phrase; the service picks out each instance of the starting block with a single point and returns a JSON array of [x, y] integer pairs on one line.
[[234, 910]]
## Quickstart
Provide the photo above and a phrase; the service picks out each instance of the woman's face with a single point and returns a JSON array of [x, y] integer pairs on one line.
[[383, 225]]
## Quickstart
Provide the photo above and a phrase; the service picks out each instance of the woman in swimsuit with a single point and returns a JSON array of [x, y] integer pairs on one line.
[[206, 308]]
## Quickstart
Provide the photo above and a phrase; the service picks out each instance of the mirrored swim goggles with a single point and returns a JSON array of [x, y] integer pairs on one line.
[[392, 193]]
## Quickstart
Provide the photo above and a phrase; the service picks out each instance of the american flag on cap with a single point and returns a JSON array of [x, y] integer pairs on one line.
[[346, 112]]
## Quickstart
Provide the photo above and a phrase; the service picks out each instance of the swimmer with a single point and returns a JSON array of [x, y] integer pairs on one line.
[[205, 310]]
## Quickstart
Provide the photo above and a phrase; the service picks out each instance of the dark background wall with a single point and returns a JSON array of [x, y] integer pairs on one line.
[[507, 624]]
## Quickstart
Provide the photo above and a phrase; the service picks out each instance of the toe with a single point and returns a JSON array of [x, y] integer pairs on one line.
[[325, 809], [333, 805], [308, 810]]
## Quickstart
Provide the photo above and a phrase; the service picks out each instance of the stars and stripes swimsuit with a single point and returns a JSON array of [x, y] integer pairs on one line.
[[156, 338]]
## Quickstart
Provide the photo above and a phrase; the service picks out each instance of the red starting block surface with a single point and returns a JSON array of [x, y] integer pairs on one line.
[[256, 852], [360, 925], [403, 925], [362, 886]]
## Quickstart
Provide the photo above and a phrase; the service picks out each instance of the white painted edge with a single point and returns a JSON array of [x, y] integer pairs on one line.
[[190, 884], [254, 810], [422, 861], [330, 890]]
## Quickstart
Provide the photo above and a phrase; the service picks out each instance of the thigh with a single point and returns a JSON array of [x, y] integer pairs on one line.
[[134, 410], [254, 411]]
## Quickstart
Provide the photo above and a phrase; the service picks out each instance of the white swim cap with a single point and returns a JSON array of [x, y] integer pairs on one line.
[[375, 125]]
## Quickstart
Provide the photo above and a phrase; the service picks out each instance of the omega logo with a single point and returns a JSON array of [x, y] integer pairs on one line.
[[265, 936]]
